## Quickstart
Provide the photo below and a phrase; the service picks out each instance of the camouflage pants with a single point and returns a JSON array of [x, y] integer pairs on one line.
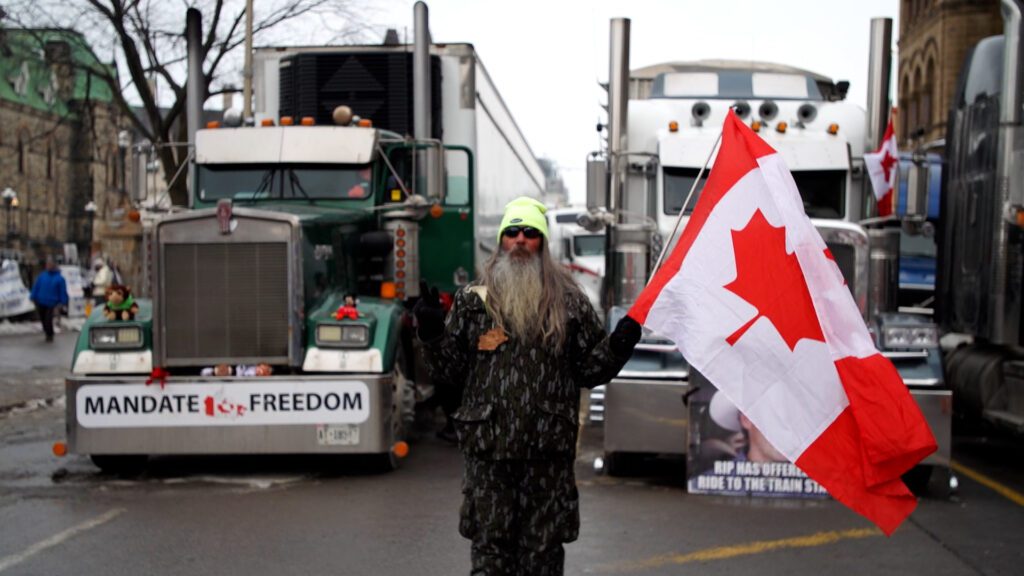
[[518, 513]]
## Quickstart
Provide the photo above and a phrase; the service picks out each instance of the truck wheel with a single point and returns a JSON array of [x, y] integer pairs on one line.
[[621, 463], [917, 479], [124, 465]]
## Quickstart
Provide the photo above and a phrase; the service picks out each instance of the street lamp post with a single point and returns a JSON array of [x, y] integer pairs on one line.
[[124, 141], [90, 212], [10, 199]]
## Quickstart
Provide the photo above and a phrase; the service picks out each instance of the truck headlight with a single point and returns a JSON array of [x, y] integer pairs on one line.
[[343, 335], [115, 337], [922, 336]]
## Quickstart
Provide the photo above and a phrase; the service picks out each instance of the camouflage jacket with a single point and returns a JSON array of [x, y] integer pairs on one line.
[[520, 400]]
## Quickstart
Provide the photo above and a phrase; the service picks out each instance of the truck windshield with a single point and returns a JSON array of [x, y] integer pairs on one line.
[[823, 191], [588, 245], [286, 181]]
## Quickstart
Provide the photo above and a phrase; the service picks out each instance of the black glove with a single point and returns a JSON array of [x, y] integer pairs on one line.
[[429, 313], [625, 336]]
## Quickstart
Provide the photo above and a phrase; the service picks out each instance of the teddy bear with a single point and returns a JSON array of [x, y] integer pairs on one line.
[[120, 304]]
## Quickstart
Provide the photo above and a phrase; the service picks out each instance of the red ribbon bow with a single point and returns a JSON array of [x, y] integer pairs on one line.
[[158, 375]]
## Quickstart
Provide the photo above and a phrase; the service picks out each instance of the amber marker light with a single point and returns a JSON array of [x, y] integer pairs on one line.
[[287, 121], [60, 449], [308, 121], [673, 126], [213, 124], [755, 125], [1020, 218], [833, 129], [267, 122], [781, 127], [366, 123], [400, 449], [387, 290], [436, 211]]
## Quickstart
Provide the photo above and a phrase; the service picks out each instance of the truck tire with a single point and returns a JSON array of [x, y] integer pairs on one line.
[[124, 465], [917, 479], [620, 464]]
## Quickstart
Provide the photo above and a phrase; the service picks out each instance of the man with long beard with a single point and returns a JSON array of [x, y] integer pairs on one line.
[[520, 343]]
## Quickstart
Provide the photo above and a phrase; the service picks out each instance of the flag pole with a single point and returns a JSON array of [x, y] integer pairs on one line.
[[682, 210]]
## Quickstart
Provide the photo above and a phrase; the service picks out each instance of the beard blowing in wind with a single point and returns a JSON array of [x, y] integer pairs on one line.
[[755, 302]]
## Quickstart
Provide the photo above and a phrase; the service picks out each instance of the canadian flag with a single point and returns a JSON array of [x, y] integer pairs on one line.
[[883, 166], [755, 302]]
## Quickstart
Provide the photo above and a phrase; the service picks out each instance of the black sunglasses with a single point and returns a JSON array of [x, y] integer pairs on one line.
[[513, 231]]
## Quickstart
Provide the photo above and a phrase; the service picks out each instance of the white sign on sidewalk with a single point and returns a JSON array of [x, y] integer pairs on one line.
[[76, 294], [14, 297]]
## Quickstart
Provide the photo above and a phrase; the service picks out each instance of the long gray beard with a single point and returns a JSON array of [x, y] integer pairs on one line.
[[517, 297]]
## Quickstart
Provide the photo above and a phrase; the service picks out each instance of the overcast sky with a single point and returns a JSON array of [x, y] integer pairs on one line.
[[547, 56]]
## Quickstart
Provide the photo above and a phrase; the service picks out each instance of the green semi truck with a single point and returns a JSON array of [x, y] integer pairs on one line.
[[279, 314]]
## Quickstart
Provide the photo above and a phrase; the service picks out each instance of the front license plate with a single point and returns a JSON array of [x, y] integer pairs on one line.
[[337, 434]]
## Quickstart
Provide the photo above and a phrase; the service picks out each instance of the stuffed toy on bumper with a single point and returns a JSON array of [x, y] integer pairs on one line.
[[120, 304]]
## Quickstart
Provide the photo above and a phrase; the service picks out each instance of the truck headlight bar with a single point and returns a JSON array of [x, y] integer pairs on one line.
[[115, 337], [342, 335], [914, 336]]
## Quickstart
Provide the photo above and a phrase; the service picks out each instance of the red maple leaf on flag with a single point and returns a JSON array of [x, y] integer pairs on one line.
[[771, 280], [887, 163]]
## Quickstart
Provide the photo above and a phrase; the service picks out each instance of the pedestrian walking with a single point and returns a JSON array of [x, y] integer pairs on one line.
[[520, 343], [49, 293]]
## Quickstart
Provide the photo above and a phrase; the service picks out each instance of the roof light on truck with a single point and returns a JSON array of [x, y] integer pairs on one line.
[[267, 122], [833, 128], [755, 125], [287, 121], [673, 126], [308, 121], [781, 127], [213, 124], [365, 123]]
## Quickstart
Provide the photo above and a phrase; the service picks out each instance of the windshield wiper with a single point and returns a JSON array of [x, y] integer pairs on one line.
[[294, 180], [264, 184]]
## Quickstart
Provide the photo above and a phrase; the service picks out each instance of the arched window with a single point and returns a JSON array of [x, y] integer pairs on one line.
[[914, 113], [927, 91], [904, 116]]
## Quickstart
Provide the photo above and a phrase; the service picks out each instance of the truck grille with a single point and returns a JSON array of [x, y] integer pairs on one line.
[[225, 301]]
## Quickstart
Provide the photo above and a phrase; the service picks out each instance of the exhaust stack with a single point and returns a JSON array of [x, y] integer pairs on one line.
[[195, 91]]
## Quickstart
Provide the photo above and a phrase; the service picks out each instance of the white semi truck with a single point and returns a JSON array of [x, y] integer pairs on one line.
[[675, 113]]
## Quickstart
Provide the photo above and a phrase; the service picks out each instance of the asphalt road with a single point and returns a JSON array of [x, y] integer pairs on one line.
[[260, 515]]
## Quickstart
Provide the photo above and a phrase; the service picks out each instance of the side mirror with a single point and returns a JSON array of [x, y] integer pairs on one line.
[[435, 171], [139, 180], [597, 183], [917, 189]]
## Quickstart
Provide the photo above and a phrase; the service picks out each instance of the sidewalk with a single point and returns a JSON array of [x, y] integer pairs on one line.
[[32, 369]]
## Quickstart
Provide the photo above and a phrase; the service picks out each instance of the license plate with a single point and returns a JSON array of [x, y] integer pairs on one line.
[[337, 434]]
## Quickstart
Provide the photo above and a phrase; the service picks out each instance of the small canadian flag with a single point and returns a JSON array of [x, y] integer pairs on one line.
[[882, 166], [755, 302]]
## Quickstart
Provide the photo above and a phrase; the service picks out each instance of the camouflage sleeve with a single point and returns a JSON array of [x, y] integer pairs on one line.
[[594, 363], [447, 356]]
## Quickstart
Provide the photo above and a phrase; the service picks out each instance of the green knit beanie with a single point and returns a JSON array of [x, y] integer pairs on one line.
[[524, 211]]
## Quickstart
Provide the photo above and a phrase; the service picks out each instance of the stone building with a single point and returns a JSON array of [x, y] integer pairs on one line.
[[59, 151], [935, 36]]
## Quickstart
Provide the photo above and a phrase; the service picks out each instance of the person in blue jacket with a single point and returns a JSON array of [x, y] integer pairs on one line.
[[49, 292]]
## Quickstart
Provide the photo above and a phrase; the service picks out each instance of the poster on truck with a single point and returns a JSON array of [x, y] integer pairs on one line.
[[14, 296], [729, 456]]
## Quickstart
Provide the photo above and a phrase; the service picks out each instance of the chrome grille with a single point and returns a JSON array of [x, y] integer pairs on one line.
[[226, 301]]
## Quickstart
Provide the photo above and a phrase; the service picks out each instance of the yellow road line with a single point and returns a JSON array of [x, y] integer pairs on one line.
[[748, 549], [1004, 491]]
